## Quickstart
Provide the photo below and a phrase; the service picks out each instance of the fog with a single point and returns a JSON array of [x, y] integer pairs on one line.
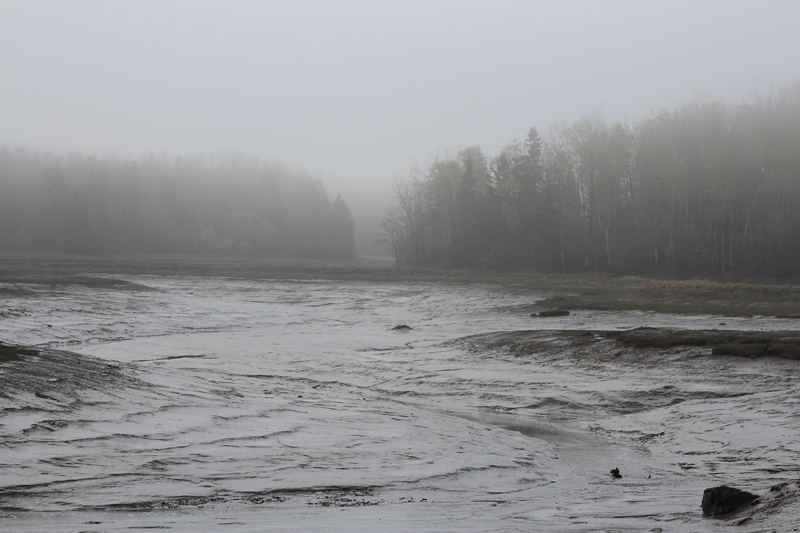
[[356, 92], [594, 209]]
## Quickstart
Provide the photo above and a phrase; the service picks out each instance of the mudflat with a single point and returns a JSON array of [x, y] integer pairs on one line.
[[208, 402]]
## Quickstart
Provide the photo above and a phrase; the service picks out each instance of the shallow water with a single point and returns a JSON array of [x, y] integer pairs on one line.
[[275, 405]]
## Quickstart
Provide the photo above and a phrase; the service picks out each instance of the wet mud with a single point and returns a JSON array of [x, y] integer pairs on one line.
[[207, 404]]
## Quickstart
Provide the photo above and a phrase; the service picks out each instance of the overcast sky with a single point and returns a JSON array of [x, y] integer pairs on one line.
[[361, 89]]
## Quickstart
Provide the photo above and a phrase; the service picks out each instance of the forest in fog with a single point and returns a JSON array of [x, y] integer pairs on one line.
[[232, 204], [704, 189]]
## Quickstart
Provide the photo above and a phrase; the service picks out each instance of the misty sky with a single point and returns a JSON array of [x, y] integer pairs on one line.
[[361, 89]]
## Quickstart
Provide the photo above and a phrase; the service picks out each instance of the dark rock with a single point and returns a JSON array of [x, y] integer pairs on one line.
[[551, 312], [401, 326], [724, 500], [616, 473]]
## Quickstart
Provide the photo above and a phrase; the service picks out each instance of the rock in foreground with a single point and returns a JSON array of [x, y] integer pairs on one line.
[[551, 312], [725, 500]]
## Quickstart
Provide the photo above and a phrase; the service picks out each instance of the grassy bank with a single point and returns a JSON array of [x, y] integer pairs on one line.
[[686, 297]]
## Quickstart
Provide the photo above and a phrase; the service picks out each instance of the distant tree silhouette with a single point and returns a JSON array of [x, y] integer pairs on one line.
[[703, 189], [232, 205], [342, 231]]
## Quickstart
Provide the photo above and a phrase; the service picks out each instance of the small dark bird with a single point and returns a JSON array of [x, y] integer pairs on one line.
[[616, 473]]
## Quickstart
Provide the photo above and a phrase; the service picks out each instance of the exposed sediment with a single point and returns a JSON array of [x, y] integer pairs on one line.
[[220, 394], [51, 378], [752, 344]]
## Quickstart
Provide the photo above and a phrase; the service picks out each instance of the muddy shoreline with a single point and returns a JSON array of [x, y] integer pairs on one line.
[[212, 401], [565, 291], [51, 380]]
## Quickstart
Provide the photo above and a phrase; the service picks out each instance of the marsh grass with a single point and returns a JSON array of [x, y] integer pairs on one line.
[[632, 293], [723, 290], [696, 306]]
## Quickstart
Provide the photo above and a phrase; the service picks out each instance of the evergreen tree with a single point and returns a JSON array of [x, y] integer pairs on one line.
[[231, 204], [704, 189], [342, 231]]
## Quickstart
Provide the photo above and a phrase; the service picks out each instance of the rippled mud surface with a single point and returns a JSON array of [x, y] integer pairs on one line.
[[203, 404]]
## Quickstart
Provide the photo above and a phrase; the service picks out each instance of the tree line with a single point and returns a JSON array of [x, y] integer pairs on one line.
[[231, 204], [704, 189]]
